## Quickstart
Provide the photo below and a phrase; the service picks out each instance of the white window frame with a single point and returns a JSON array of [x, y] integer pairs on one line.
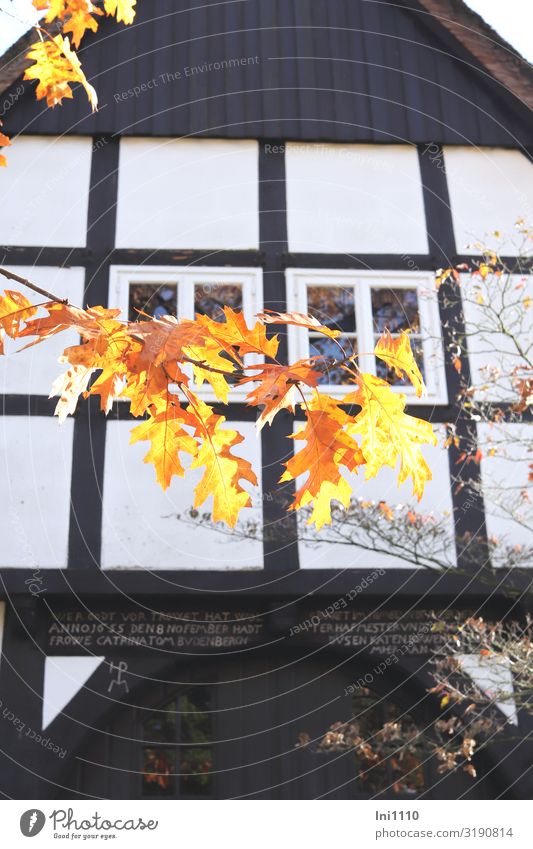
[[298, 279], [185, 278]]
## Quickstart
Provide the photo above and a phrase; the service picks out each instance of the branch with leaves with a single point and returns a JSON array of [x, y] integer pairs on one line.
[[55, 63], [497, 298], [155, 363], [473, 716]]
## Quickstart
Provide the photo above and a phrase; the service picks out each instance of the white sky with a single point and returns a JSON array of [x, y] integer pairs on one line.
[[513, 19]]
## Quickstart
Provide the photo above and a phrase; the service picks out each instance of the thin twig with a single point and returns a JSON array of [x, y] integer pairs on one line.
[[24, 282]]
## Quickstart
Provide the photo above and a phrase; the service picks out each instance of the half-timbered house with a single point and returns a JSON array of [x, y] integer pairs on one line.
[[326, 156]]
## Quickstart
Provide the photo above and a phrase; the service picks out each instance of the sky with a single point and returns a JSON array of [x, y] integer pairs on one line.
[[513, 19]]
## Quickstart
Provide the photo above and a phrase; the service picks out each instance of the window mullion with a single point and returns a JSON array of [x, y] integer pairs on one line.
[[186, 296], [365, 327]]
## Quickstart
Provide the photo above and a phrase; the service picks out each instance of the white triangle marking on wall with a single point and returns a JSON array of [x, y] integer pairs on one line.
[[63, 678], [493, 676]]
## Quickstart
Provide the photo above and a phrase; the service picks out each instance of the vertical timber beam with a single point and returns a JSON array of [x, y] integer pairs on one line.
[[88, 453], [468, 505], [280, 534]]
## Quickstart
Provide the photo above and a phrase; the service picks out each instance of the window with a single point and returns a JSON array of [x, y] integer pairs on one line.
[[184, 292], [361, 305], [177, 753]]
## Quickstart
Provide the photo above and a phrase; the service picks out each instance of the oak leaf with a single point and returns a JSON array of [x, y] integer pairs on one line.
[[123, 10], [14, 309], [234, 333], [388, 434], [215, 362], [397, 354], [76, 14], [4, 142], [299, 320], [165, 430], [328, 447], [69, 386], [55, 67], [223, 470], [277, 387]]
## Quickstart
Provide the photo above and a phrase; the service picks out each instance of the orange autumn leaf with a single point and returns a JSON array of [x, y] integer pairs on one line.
[[328, 447], [63, 316], [55, 67], [397, 354], [277, 387], [165, 338], [298, 319], [386, 510], [234, 333], [4, 142]]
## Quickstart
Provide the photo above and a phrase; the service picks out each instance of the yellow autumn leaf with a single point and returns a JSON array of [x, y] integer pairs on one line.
[[211, 355], [56, 66], [165, 431], [397, 354], [388, 434], [123, 10], [14, 309], [76, 14], [223, 470]]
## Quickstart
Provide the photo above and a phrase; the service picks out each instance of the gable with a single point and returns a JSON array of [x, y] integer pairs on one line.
[[345, 70]]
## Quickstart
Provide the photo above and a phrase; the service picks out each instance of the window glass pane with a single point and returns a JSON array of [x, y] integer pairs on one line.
[[155, 299], [196, 778], [157, 772], [324, 347], [211, 298], [195, 716], [386, 373], [333, 306], [395, 310], [160, 726]]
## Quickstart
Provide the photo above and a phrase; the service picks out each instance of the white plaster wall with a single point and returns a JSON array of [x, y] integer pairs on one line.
[[508, 493], [436, 499], [363, 198], [490, 188], [188, 193], [34, 370], [35, 468], [45, 192], [491, 353], [139, 525]]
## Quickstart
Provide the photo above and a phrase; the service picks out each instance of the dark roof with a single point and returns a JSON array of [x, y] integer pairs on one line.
[[499, 58], [342, 70]]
